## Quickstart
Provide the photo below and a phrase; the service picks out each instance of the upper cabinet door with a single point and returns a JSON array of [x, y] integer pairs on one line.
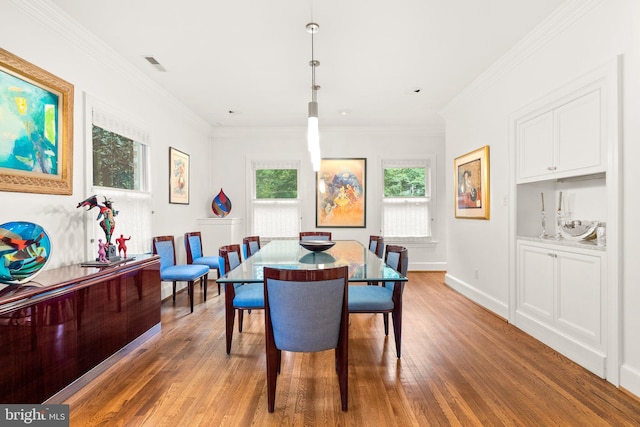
[[536, 146], [579, 132], [564, 140]]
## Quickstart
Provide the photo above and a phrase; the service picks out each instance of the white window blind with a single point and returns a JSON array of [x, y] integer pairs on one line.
[[133, 219], [276, 218]]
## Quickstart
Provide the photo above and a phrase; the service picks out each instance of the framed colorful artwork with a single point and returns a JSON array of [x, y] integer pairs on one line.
[[36, 118], [341, 193], [471, 184], [178, 177]]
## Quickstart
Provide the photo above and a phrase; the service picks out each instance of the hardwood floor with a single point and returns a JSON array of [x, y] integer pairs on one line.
[[460, 365]]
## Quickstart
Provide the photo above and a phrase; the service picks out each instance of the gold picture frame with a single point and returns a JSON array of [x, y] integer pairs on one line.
[[179, 183], [471, 184], [37, 123]]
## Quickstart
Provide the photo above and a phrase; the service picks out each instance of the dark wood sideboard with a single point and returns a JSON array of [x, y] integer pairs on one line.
[[68, 320]]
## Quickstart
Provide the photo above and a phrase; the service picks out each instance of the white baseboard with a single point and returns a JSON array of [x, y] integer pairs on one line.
[[498, 307], [630, 379], [427, 266]]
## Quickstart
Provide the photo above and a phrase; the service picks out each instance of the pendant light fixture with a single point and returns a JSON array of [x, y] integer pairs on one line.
[[313, 133]]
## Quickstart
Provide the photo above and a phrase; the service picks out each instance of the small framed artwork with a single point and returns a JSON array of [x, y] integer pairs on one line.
[[341, 193], [36, 118], [471, 184], [178, 177]]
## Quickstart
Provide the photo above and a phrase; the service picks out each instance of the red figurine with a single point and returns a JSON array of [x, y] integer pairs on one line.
[[122, 247]]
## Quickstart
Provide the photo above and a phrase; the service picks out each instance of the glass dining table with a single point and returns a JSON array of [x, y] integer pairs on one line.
[[364, 265]]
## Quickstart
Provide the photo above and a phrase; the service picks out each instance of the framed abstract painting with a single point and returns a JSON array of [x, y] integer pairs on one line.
[[36, 118], [178, 177], [471, 184], [341, 193]]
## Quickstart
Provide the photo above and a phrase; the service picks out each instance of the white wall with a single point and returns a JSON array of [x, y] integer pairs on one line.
[[564, 48], [232, 147], [43, 37]]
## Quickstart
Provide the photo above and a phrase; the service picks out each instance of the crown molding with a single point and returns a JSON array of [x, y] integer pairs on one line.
[[60, 22], [561, 19]]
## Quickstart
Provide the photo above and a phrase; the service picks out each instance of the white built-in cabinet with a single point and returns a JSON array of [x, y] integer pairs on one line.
[[565, 293], [564, 139], [562, 300]]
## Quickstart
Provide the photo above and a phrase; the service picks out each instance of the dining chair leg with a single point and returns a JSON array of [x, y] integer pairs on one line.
[[273, 368], [205, 280], [343, 375], [191, 294], [174, 292], [385, 316], [397, 329], [240, 317]]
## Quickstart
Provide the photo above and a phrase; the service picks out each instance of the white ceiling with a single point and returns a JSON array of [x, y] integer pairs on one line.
[[252, 56]]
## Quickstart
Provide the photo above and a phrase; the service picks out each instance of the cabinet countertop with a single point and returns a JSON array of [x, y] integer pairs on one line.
[[582, 244]]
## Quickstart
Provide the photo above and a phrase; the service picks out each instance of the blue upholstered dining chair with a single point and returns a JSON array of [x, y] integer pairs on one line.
[[376, 245], [384, 299], [315, 235], [237, 296], [164, 246], [306, 311], [193, 246], [250, 245]]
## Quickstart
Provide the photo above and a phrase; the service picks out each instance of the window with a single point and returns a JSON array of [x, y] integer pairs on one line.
[[275, 205], [118, 162], [406, 201], [120, 172]]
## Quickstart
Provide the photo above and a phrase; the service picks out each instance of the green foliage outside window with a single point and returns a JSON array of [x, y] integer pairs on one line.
[[404, 182], [115, 159], [276, 183]]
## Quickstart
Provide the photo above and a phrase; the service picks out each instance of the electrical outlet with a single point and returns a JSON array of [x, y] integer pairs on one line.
[[476, 273]]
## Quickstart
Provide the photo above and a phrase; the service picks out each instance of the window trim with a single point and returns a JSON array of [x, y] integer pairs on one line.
[[252, 166], [119, 122], [429, 163]]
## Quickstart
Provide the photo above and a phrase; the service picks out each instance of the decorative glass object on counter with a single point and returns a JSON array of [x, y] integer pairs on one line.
[[543, 223], [559, 222], [543, 220]]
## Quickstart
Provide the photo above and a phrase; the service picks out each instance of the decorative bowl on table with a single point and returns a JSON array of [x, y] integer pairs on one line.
[[317, 245], [579, 230], [25, 249]]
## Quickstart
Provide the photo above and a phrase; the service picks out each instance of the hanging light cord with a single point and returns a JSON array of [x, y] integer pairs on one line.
[[313, 63]]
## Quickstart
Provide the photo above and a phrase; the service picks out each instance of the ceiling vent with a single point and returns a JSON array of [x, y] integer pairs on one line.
[[153, 61]]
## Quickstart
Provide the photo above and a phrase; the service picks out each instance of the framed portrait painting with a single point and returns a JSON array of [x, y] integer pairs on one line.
[[36, 118], [341, 193], [471, 184], [178, 177]]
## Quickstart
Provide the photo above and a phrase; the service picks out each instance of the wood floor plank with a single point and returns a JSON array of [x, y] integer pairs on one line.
[[461, 365]]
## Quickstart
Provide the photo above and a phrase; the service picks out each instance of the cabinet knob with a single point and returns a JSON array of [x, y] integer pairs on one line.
[[551, 168], [552, 255]]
